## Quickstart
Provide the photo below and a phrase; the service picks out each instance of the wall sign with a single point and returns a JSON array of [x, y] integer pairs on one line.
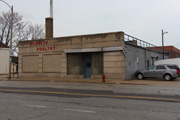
[[45, 48], [39, 43], [42, 43]]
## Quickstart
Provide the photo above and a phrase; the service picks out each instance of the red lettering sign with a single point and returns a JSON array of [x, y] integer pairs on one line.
[[39, 43], [45, 48], [36, 43]]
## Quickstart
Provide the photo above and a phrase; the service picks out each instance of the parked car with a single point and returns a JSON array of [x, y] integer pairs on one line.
[[165, 71]]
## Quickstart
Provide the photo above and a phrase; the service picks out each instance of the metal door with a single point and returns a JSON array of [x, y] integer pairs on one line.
[[87, 65]]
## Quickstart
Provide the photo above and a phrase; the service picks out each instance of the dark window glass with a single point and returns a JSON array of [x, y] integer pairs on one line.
[[160, 67], [88, 65], [172, 67], [148, 64]]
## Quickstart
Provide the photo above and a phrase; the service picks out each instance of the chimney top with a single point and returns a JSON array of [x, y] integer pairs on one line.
[[49, 27]]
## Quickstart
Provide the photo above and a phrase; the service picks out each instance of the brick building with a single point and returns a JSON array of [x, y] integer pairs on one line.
[[84, 56], [173, 51]]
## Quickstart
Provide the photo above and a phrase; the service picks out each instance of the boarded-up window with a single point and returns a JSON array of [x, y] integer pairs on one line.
[[97, 63], [51, 63], [75, 64], [30, 64]]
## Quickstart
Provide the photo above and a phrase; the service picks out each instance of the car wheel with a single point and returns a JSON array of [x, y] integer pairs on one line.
[[140, 76], [167, 77]]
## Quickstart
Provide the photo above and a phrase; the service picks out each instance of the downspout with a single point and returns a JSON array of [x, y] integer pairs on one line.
[[145, 60]]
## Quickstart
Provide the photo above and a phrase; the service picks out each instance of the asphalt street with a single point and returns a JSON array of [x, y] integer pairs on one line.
[[80, 93], [78, 101]]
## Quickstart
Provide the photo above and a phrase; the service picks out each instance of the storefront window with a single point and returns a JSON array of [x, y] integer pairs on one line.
[[75, 64], [97, 63]]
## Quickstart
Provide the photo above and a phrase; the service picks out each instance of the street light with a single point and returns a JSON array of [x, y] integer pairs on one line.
[[163, 41], [11, 7]]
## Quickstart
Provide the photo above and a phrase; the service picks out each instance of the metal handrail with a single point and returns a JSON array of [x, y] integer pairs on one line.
[[137, 42]]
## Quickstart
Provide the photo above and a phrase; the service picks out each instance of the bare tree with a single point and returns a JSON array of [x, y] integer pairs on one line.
[[28, 32], [22, 30]]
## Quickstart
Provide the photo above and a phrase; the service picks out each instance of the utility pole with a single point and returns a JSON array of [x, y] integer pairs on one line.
[[51, 8], [10, 59], [163, 42]]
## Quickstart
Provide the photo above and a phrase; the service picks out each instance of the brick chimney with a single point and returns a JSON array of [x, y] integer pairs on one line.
[[49, 27]]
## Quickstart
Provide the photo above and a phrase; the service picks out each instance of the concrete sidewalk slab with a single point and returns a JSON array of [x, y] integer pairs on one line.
[[130, 87], [158, 82], [62, 80]]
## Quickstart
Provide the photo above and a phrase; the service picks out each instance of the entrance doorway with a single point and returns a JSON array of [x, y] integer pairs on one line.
[[87, 65]]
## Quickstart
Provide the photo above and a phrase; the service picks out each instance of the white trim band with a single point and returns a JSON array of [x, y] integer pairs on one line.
[[94, 49]]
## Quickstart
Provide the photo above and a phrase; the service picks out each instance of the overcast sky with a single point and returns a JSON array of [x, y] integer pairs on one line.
[[143, 19]]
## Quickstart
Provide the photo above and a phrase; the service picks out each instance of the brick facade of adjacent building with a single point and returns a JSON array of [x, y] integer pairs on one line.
[[173, 51]]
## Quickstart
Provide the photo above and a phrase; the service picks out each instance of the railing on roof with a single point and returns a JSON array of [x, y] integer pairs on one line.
[[137, 42]]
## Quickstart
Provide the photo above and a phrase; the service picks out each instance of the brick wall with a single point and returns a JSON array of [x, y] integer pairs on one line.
[[52, 61]]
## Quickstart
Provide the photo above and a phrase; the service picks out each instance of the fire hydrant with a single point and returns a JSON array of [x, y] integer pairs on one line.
[[103, 78]]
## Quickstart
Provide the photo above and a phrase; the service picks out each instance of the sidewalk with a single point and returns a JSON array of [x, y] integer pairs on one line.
[[158, 82], [152, 87]]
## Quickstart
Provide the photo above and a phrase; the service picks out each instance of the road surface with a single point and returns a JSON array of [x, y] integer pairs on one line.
[[46, 103]]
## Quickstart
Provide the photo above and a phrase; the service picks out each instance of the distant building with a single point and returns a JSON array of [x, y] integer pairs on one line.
[[2, 45], [172, 51], [4, 59]]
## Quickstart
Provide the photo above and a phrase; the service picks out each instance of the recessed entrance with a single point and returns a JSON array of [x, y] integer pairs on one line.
[[87, 65]]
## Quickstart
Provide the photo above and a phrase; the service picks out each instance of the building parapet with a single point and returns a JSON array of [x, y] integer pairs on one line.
[[137, 42]]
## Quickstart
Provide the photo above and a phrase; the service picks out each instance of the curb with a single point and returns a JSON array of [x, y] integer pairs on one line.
[[151, 82], [62, 80]]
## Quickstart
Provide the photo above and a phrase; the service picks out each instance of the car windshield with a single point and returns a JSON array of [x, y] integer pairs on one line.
[[152, 68]]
